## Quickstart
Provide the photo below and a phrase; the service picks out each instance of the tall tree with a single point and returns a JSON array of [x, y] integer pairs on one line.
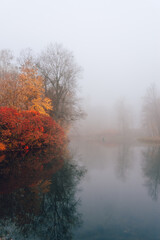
[[6, 65], [8, 79], [124, 117], [60, 72]]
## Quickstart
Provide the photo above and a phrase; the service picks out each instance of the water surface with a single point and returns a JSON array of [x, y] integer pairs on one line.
[[98, 191], [120, 192]]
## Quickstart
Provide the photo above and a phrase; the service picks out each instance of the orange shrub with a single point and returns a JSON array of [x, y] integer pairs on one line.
[[29, 129]]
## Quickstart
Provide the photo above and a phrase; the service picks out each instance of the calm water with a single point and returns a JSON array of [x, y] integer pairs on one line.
[[102, 192]]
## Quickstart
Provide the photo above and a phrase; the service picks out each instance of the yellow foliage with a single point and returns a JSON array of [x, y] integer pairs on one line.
[[31, 91], [41, 105], [24, 91]]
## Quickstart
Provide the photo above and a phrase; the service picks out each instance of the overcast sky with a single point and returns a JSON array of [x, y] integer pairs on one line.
[[117, 42]]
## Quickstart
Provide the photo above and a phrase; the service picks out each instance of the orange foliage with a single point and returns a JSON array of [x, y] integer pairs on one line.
[[2, 147]]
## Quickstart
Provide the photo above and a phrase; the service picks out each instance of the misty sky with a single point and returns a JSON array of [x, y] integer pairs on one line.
[[117, 42]]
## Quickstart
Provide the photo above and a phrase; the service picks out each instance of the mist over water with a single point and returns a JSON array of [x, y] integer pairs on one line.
[[98, 63], [120, 191]]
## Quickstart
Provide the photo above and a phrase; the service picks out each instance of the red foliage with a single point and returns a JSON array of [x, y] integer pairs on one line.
[[29, 129]]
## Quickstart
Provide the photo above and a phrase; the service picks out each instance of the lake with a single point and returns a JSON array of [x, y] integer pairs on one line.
[[97, 192]]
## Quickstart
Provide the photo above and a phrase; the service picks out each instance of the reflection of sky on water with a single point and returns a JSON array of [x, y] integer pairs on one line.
[[115, 200]]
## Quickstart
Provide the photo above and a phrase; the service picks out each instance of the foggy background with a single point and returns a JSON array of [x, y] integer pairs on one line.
[[117, 43]]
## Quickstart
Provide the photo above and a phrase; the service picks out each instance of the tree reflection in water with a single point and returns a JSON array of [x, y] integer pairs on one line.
[[124, 160], [38, 196], [151, 169]]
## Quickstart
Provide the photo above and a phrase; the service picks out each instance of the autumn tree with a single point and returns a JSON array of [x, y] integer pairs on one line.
[[24, 89], [31, 93], [60, 72], [53, 75]]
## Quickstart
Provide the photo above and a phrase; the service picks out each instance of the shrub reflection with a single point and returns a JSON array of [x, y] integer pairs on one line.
[[38, 195]]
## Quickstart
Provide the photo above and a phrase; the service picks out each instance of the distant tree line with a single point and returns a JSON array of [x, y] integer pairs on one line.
[[150, 115]]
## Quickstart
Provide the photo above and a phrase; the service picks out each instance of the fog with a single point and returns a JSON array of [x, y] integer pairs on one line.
[[117, 43]]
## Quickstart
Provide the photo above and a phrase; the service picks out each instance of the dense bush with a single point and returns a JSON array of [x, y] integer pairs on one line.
[[28, 129]]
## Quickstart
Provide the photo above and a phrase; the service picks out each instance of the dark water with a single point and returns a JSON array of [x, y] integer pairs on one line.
[[97, 192]]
